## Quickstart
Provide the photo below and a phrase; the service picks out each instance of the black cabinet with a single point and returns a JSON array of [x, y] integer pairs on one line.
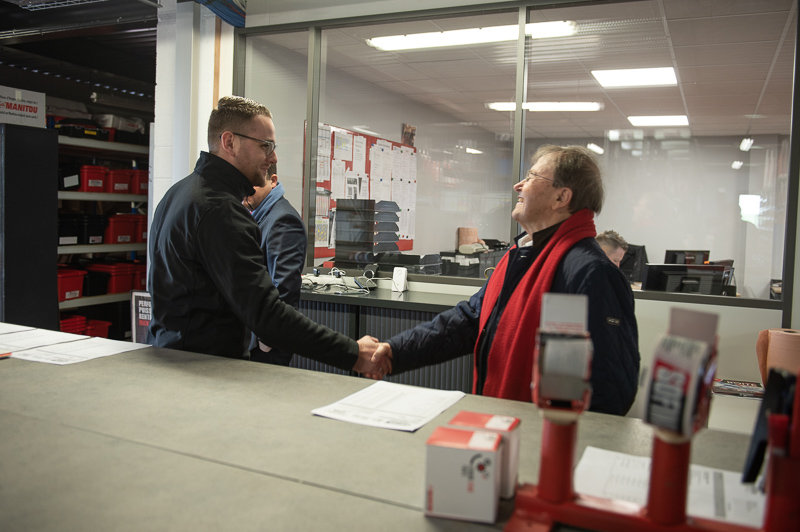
[[28, 226]]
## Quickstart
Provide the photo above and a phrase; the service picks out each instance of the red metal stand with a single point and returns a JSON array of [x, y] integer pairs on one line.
[[539, 508]]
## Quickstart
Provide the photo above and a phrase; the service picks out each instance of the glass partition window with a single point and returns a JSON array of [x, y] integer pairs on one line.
[[276, 72], [695, 160], [412, 126]]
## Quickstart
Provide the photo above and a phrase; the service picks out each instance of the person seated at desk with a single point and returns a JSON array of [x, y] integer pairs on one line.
[[557, 253], [613, 244], [283, 239]]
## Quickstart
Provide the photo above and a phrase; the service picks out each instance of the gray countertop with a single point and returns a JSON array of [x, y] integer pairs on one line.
[[159, 439]]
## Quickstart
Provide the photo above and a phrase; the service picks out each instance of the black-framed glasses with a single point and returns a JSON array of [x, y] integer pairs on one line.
[[268, 145], [531, 176]]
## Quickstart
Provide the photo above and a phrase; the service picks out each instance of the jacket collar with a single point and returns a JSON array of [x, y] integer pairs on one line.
[[217, 168], [272, 198]]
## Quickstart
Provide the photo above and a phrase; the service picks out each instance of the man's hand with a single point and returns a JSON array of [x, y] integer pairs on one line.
[[367, 364], [381, 356]]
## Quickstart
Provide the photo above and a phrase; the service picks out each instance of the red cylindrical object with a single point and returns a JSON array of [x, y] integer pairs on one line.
[[555, 468], [669, 482]]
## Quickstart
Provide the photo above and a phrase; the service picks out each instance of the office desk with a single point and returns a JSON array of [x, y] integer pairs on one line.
[[158, 439]]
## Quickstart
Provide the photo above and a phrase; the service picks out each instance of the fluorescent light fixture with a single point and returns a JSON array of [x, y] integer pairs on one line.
[[746, 144], [547, 106], [562, 106], [737, 164], [636, 77], [673, 120], [595, 148], [438, 39], [473, 151]]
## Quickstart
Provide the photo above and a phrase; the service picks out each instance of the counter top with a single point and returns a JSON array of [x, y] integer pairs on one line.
[[162, 439], [385, 298]]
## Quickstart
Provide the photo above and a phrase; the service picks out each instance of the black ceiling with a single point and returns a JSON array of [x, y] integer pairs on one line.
[[72, 51]]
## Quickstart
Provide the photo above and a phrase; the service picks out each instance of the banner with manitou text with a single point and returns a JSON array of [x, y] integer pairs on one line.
[[25, 108]]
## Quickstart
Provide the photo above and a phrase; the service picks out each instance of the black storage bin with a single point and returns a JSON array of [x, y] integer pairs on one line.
[[81, 128], [69, 177], [81, 228], [67, 230], [95, 283]]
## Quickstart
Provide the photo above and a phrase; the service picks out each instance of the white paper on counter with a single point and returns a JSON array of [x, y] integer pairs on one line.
[[17, 341], [6, 328], [713, 493], [77, 351], [391, 406]]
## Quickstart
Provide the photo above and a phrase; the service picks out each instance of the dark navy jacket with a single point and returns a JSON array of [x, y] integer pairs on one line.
[[283, 240], [585, 269], [207, 276]]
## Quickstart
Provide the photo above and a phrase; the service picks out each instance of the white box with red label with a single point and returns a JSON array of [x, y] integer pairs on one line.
[[462, 474], [506, 426]]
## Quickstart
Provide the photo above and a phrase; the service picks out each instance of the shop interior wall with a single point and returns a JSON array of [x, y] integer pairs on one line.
[[454, 188], [683, 194]]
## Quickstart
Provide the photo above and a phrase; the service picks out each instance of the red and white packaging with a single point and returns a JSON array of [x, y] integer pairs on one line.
[[508, 428], [462, 474]]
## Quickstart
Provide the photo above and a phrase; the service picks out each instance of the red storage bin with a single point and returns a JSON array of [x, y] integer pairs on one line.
[[121, 229], [70, 283], [118, 181], [93, 178], [141, 228], [97, 328], [140, 181], [121, 279], [72, 323], [140, 277]]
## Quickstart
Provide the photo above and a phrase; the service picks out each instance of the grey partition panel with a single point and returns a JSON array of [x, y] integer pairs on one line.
[[383, 323], [338, 317]]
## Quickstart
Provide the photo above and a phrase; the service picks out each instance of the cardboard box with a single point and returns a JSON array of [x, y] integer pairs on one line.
[[462, 474], [507, 427]]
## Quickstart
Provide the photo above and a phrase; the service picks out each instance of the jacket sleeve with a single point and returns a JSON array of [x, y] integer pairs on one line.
[[448, 335], [615, 336], [285, 251], [235, 264]]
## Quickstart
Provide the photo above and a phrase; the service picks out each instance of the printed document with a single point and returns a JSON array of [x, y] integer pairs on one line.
[[391, 406], [713, 493]]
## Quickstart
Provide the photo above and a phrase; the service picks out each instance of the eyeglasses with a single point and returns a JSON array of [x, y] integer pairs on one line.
[[268, 145], [530, 176]]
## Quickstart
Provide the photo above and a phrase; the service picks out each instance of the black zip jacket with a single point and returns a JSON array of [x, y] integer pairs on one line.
[[208, 281]]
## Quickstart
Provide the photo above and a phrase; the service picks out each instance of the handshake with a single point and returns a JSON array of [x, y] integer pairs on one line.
[[374, 358]]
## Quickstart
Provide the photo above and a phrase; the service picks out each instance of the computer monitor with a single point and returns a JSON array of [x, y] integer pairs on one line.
[[685, 256], [633, 263], [709, 279]]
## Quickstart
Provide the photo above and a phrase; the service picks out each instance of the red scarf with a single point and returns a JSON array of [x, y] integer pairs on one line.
[[509, 370]]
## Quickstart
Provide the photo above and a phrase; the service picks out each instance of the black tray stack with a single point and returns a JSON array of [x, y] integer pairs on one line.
[[364, 228]]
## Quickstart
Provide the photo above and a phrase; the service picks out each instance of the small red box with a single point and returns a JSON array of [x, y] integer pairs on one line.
[[121, 229], [121, 279], [98, 328], [93, 178], [70, 283], [140, 181], [118, 181]]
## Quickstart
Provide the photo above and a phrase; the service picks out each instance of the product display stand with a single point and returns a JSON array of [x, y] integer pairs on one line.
[[539, 507]]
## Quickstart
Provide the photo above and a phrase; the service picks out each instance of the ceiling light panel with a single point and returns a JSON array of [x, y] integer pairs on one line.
[[669, 120], [470, 36], [636, 77]]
